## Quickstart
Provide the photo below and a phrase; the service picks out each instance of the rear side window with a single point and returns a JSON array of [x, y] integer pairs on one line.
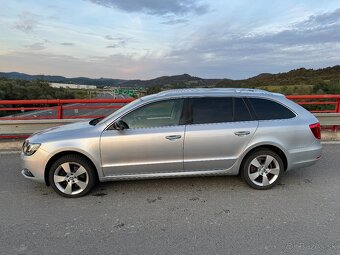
[[218, 110], [270, 110], [212, 110]]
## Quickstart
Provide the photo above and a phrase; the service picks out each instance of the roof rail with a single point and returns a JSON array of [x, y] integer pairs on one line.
[[230, 90]]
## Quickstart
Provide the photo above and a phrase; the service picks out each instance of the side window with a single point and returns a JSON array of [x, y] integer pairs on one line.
[[270, 110], [241, 112], [212, 110], [158, 114]]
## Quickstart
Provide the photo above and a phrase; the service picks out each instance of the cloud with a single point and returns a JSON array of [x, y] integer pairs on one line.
[[240, 54], [156, 7], [116, 45], [117, 38], [26, 22], [215, 51], [112, 46], [36, 46], [67, 44], [174, 21], [216, 45], [322, 28], [324, 19], [109, 37], [117, 42]]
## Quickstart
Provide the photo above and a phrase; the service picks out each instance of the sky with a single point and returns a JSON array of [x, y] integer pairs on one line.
[[144, 39]]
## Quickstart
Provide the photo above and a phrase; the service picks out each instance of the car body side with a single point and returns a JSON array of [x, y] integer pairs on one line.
[[291, 138]]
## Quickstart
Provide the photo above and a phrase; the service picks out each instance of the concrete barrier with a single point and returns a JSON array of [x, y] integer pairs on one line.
[[26, 127], [328, 119]]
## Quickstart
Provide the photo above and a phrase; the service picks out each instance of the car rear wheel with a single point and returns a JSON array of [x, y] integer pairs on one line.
[[262, 169], [72, 176]]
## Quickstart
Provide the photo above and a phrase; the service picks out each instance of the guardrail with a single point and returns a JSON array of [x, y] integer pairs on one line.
[[329, 100], [11, 129], [21, 125], [58, 106]]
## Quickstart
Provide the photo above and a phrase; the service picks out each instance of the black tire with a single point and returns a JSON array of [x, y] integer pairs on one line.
[[268, 176], [66, 167]]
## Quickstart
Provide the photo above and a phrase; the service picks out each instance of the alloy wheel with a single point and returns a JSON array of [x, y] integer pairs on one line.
[[71, 178], [263, 170]]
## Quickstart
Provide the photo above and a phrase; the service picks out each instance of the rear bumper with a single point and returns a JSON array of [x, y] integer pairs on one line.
[[304, 157]]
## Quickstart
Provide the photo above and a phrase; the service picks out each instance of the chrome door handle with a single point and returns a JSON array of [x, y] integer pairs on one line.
[[242, 133], [173, 137]]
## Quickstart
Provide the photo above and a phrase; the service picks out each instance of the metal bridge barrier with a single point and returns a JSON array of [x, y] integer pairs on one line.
[[21, 125]]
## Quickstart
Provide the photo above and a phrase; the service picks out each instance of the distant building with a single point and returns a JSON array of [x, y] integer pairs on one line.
[[72, 86]]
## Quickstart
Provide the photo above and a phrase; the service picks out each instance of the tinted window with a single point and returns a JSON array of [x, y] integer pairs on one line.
[[163, 113], [269, 110], [212, 110], [241, 112]]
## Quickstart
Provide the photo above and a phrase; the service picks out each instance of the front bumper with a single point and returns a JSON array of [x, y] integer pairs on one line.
[[28, 174], [33, 167]]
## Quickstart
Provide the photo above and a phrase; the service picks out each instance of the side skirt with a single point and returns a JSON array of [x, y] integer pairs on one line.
[[167, 175]]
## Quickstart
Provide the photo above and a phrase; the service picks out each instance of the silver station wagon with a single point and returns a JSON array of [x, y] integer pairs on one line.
[[178, 133]]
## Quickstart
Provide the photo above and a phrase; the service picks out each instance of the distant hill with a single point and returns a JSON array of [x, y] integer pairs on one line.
[[62, 79], [182, 80], [301, 76], [166, 81]]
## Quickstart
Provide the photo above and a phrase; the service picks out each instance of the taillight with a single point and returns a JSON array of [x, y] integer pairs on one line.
[[316, 130]]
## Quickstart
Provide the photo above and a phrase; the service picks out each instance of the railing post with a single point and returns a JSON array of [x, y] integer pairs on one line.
[[337, 110], [59, 110], [337, 107]]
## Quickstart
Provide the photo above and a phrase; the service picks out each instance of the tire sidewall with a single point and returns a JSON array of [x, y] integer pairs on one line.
[[79, 160]]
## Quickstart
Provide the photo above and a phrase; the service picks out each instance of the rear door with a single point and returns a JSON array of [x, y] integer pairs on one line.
[[217, 132]]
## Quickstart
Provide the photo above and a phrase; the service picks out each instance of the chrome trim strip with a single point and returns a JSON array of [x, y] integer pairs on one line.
[[167, 175]]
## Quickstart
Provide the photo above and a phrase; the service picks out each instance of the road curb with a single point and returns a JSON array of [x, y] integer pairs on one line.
[[12, 145]]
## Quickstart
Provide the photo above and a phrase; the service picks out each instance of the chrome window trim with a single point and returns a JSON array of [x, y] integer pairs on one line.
[[139, 106]]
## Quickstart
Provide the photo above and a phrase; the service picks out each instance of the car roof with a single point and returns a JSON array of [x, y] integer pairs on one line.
[[211, 92]]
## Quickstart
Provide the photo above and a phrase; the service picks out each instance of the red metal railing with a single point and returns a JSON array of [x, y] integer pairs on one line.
[[330, 100], [57, 107]]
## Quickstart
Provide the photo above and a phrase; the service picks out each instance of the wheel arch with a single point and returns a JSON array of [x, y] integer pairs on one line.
[[64, 153], [271, 147]]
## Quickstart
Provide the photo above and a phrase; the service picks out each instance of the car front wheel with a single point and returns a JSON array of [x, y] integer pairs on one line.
[[262, 169], [72, 176]]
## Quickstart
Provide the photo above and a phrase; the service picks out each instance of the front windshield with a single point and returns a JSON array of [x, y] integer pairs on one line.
[[120, 110]]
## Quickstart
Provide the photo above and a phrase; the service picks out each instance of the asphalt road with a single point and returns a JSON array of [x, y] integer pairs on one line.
[[212, 215]]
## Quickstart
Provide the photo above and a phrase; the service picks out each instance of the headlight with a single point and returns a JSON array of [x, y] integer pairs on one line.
[[30, 148]]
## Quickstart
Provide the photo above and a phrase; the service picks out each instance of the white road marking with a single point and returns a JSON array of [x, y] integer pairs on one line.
[[9, 152], [330, 142]]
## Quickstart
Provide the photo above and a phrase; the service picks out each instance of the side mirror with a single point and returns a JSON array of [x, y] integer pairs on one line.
[[120, 125]]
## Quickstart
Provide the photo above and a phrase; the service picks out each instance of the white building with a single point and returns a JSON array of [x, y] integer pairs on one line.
[[72, 86]]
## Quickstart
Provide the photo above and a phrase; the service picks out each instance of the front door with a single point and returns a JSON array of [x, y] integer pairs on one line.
[[152, 143]]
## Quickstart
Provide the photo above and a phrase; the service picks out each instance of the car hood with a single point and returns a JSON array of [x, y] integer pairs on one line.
[[63, 131]]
